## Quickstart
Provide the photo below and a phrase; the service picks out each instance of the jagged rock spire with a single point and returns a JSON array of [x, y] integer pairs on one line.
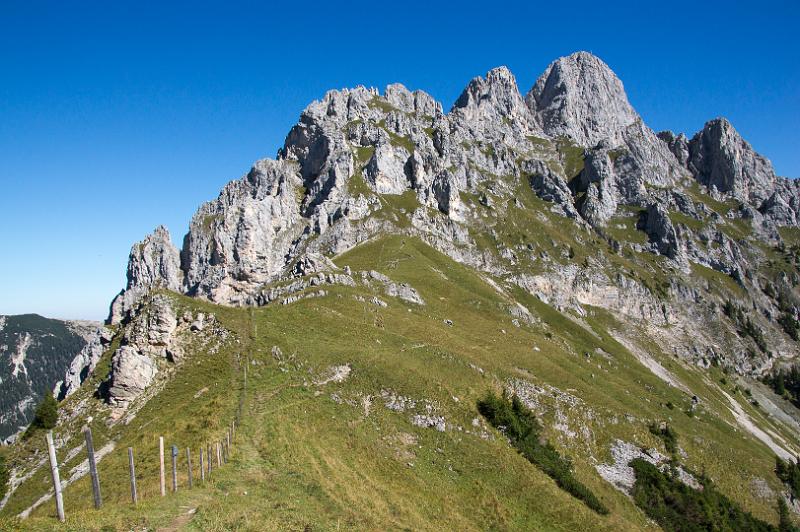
[[492, 97], [153, 263]]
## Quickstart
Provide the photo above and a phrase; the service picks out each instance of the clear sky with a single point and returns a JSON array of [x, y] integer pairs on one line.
[[118, 116]]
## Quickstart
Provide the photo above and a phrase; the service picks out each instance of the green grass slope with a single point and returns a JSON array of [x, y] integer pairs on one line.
[[315, 453]]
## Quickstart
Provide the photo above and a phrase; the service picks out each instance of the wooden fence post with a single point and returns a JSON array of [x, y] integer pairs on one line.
[[189, 465], [98, 501], [202, 468], [161, 462], [174, 468], [210, 459], [51, 450], [132, 470], [219, 454]]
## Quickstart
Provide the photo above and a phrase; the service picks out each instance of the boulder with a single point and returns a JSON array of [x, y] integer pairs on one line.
[[132, 372]]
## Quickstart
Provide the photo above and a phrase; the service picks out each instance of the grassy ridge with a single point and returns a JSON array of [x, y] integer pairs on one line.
[[334, 456]]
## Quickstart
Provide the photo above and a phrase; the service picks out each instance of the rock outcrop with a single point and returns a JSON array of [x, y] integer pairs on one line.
[[132, 372], [720, 158], [153, 263], [240, 241]]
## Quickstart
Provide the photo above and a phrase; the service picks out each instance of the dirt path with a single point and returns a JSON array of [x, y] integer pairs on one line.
[[179, 522]]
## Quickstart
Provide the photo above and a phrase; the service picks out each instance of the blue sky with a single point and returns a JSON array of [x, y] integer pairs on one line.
[[116, 117]]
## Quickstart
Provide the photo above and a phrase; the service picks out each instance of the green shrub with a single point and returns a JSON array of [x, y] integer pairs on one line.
[[744, 325], [46, 415], [522, 428], [790, 325], [677, 507], [786, 383], [789, 473], [667, 435], [785, 523]]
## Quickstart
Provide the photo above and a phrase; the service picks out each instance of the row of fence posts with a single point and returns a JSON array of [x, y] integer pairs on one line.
[[218, 451]]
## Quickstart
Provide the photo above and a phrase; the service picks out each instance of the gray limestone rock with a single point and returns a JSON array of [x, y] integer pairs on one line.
[[132, 372], [385, 172], [492, 98], [599, 203], [265, 237], [550, 186], [662, 233], [153, 263], [578, 96], [242, 239], [721, 158], [677, 144], [82, 366]]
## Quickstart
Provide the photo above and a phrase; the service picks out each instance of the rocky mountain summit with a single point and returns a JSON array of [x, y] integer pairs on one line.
[[359, 164]]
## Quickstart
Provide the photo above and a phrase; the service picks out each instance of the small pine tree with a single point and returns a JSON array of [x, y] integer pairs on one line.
[[46, 414], [780, 387]]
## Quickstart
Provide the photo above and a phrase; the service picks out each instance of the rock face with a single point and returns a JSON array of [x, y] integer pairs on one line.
[[386, 170], [493, 98], [677, 144], [240, 241], [662, 233], [97, 339], [153, 263], [580, 97], [720, 158], [40, 354]]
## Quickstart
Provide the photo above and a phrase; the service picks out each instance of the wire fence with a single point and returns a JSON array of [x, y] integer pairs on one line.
[[200, 461]]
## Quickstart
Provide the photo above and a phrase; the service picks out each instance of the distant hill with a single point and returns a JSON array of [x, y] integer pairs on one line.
[[37, 353]]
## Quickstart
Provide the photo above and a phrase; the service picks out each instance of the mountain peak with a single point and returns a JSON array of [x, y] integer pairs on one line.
[[494, 95], [721, 158], [579, 96]]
